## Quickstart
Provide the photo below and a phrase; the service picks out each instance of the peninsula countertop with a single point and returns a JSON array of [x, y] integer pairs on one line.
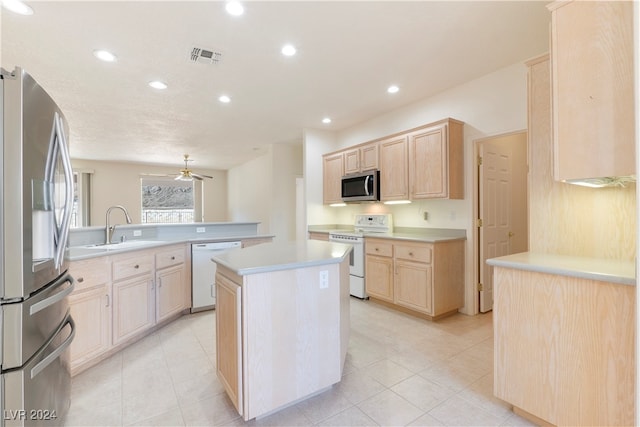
[[614, 271], [278, 256]]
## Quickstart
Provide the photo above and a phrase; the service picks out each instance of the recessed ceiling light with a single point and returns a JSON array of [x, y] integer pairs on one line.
[[17, 6], [326, 120], [224, 99], [393, 89], [234, 8], [288, 50], [104, 55], [157, 84]]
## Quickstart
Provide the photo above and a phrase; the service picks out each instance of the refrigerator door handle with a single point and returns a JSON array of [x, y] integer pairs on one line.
[[58, 351], [68, 180], [41, 305]]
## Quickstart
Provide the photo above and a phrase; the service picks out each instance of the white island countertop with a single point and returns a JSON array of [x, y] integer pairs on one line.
[[278, 256], [607, 270]]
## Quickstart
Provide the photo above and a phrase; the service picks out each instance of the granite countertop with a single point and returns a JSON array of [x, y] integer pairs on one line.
[[427, 235], [76, 253], [606, 270], [278, 256]]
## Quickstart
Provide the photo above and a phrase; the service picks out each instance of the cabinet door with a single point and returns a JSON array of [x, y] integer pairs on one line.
[[133, 307], [393, 169], [369, 157], [593, 89], [352, 161], [91, 311], [332, 172], [171, 292], [428, 163], [414, 286], [229, 339], [379, 277]]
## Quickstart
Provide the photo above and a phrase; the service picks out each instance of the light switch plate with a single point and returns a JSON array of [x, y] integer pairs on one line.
[[200, 229], [137, 233]]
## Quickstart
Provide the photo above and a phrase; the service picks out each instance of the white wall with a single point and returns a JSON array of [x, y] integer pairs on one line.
[[264, 190], [115, 183], [491, 105]]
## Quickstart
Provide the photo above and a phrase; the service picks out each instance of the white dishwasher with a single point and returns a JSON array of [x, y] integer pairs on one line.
[[203, 273]]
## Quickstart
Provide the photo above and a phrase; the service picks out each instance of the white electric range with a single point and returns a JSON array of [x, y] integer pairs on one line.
[[364, 224]]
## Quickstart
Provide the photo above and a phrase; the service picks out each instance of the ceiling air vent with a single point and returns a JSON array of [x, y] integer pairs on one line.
[[205, 56]]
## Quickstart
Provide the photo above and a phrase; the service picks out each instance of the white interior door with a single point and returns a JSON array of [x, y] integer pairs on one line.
[[495, 189]]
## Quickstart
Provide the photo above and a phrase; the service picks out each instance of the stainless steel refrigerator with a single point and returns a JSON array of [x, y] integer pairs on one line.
[[36, 197]]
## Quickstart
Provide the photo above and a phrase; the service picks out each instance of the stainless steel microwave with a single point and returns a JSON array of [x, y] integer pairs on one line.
[[361, 187]]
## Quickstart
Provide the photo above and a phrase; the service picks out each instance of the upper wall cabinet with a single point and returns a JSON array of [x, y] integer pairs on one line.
[[361, 158], [332, 171], [592, 89], [394, 184], [436, 161]]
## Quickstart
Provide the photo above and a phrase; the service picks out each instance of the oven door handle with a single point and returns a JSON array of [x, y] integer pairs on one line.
[[58, 351]]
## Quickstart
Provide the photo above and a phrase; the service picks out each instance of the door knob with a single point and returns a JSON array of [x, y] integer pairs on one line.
[[511, 234]]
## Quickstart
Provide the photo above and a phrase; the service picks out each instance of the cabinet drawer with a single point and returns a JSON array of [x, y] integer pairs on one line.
[[129, 267], [169, 257], [420, 253], [91, 272], [377, 247]]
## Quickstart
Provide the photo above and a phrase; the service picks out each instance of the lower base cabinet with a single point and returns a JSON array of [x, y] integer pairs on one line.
[[122, 297], [133, 311], [564, 348], [170, 292], [229, 337], [424, 278], [91, 311]]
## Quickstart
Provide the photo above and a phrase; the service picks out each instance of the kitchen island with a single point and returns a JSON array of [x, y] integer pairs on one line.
[[282, 322]]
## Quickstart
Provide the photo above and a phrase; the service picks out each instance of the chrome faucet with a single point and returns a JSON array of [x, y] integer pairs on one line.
[[108, 231]]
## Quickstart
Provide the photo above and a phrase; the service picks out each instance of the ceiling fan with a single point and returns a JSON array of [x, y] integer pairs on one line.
[[187, 174]]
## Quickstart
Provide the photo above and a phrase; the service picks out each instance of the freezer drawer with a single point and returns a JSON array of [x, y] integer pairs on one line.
[[27, 325], [38, 393]]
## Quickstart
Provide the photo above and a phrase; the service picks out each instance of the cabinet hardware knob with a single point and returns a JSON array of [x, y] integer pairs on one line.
[[410, 253], [136, 266], [108, 300], [172, 258], [80, 279], [377, 249]]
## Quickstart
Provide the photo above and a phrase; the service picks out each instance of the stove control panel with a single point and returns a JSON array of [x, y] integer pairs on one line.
[[374, 222]]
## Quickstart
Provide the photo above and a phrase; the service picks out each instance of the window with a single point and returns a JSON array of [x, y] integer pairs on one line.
[[81, 213], [167, 200]]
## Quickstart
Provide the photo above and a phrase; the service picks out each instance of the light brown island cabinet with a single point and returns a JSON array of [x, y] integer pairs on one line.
[[424, 279], [592, 89], [361, 158], [564, 348], [281, 335], [90, 306], [332, 172], [394, 176], [436, 161]]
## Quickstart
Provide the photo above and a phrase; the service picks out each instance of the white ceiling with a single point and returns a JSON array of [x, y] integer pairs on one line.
[[348, 54]]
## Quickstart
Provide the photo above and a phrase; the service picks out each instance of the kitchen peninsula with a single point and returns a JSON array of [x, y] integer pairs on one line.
[[564, 338], [282, 322]]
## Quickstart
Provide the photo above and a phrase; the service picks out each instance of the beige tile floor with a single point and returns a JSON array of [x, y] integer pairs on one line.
[[400, 370]]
